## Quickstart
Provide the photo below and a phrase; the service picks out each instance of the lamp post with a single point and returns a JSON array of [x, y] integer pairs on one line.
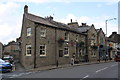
[[106, 33]]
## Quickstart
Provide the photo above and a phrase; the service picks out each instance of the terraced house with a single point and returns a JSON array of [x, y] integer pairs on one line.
[[101, 43], [91, 41], [47, 42]]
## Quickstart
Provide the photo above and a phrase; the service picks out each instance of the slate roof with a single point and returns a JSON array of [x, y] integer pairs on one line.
[[97, 30], [111, 40], [115, 37], [84, 29], [38, 19], [51, 23]]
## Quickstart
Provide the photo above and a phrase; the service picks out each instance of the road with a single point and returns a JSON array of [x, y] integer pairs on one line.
[[102, 70]]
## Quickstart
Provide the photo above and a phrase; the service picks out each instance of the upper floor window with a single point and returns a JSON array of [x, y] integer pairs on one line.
[[43, 32], [42, 50], [92, 42], [66, 36], [29, 31], [77, 37], [28, 50], [101, 40], [66, 51]]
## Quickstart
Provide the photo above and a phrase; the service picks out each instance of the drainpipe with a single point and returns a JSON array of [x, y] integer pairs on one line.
[[87, 47], [35, 46], [56, 56]]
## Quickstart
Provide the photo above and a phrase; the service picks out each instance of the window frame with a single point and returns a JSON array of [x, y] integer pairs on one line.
[[29, 31], [77, 36], [43, 32], [27, 48], [66, 36], [67, 51], [43, 50], [93, 54]]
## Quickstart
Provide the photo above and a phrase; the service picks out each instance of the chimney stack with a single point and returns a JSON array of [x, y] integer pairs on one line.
[[26, 9], [114, 32], [71, 20], [83, 24]]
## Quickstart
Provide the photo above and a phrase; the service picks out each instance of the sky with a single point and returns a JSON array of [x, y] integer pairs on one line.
[[83, 11]]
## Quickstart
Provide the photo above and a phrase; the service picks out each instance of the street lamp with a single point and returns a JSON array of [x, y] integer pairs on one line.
[[106, 33], [106, 23]]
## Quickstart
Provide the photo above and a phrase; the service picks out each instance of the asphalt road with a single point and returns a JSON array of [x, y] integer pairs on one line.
[[102, 70]]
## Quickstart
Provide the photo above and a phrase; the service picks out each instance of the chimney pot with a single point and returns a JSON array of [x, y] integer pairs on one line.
[[114, 32], [71, 20], [83, 24], [26, 9]]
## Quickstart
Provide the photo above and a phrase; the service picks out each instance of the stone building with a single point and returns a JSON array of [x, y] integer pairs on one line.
[[47, 42], [92, 46], [113, 41], [1, 50], [12, 49], [101, 43]]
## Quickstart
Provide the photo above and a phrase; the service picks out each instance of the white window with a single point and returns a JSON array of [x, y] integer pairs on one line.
[[43, 32], [80, 52], [42, 50], [29, 31], [92, 42], [93, 54], [77, 37], [66, 36], [66, 51], [28, 50]]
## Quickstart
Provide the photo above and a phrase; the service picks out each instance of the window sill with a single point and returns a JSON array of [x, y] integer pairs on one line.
[[66, 56], [43, 56], [66, 40], [28, 55], [42, 37]]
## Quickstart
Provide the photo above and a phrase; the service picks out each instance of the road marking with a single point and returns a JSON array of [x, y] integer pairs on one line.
[[86, 76], [98, 71], [101, 69], [104, 68], [114, 65]]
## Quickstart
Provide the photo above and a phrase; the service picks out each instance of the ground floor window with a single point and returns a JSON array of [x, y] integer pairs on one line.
[[93, 53], [42, 50], [28, 50], [66, 51]]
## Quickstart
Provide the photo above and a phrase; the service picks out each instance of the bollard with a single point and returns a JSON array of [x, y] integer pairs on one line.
[[57, 63], [13, 68]]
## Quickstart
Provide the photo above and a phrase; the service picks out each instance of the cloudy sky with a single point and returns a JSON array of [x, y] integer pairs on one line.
[[84, 11]]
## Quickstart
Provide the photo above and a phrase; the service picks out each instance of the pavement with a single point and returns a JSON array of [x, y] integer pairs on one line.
[[20, 68]]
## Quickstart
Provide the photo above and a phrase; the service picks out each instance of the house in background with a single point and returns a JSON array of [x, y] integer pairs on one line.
[[101, 44], [12, 49], [113, 41], [91, 41], [81, 45], [1, 50]]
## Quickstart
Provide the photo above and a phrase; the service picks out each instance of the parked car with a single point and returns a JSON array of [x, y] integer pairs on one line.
[[5, 66], [8, 59]]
